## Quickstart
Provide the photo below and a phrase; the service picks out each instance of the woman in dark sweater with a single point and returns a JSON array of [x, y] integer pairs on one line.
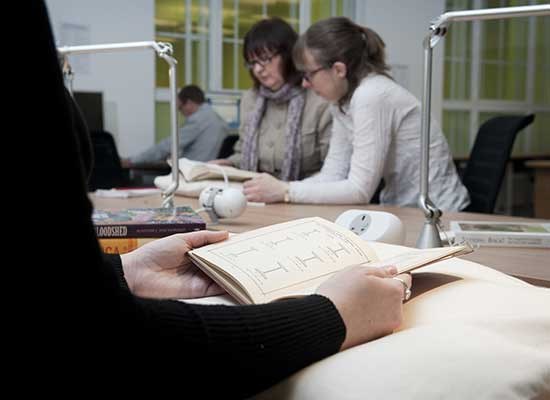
[[97, 317]]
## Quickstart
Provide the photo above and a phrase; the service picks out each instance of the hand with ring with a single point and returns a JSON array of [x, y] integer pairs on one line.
[[406, 287], [369, 301]]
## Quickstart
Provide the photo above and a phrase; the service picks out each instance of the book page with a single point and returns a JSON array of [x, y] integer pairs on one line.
[[198, 171], [416, 258], [285, 258]]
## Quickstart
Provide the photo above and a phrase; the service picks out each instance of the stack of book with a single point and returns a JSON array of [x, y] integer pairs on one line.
[[121, 231], [502, 234]]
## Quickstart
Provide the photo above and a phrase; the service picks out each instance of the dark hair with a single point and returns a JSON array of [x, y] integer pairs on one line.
[[191, 92], [340, 39], [272, 35]]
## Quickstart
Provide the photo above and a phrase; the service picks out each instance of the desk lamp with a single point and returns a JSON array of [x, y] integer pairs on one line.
[[429, 236], [164, 51]]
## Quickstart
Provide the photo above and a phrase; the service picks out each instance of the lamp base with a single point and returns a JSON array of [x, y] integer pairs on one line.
[[429, 237]]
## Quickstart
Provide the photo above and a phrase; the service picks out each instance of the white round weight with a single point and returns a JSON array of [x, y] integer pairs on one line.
[[373, 225]]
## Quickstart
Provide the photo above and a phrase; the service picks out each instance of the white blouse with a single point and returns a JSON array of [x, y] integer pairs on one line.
[[377, 137]]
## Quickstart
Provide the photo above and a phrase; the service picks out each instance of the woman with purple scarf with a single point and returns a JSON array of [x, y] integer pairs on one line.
[[285, 130]]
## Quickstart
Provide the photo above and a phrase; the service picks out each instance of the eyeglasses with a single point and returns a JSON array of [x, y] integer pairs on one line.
[[308, 75], [262, 62]]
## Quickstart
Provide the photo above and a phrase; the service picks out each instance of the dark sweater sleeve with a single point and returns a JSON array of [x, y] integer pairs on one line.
[[234, 343], [247, 349]]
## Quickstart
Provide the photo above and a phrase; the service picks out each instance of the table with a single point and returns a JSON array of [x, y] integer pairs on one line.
[[529, 264], [541, 196]]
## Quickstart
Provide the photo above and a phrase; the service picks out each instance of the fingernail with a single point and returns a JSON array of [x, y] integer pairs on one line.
[[392, 269]]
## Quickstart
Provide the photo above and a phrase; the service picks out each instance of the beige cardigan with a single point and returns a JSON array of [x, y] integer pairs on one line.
[[316, 127]]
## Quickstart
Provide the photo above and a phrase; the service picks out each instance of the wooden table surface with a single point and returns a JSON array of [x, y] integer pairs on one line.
[[530, 264]]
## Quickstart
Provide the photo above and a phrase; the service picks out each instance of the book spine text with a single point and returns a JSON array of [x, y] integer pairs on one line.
[[145, 231], [503, 240]]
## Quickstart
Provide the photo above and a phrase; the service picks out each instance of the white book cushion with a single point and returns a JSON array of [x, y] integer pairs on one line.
[[469, 332]]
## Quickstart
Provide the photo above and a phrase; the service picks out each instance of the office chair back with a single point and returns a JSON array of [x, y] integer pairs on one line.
[[487, 163], [107, 170], [227, 146]]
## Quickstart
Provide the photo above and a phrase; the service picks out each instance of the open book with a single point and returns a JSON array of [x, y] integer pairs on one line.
[[294, 258], [198, 171]]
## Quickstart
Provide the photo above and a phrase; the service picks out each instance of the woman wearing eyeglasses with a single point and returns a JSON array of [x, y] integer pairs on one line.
[[285, 129], [376, 128]]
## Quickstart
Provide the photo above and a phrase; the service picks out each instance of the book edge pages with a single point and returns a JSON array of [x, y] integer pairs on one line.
[[439, 254], [193, 171], [232, 286]]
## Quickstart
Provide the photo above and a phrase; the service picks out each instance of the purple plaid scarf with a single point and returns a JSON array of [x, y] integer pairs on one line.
[[293, 150]]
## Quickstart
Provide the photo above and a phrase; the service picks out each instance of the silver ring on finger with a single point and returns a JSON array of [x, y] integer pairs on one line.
[[406, 289]]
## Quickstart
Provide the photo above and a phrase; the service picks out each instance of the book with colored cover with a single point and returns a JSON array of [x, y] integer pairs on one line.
[[198, 171], [146, 222], [294, 258], [122, 245], [502, 234]]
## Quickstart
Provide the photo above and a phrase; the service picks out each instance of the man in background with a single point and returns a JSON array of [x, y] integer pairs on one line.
[[201, 136]]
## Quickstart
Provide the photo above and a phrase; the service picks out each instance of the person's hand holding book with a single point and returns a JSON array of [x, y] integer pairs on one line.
[[368, 300], [162, 268]]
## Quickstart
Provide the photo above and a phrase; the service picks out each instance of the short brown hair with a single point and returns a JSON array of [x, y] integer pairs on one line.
[[340, 39], [272, 35], [191, 92]]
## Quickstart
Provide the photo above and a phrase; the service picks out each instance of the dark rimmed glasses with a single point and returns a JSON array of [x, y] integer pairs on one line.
[[262, 62]]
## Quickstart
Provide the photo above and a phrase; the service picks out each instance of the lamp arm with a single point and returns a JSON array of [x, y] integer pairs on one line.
[[429, 236], [164, 51], [168, 193], [159, 47], [440, 25], [489, 13]]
